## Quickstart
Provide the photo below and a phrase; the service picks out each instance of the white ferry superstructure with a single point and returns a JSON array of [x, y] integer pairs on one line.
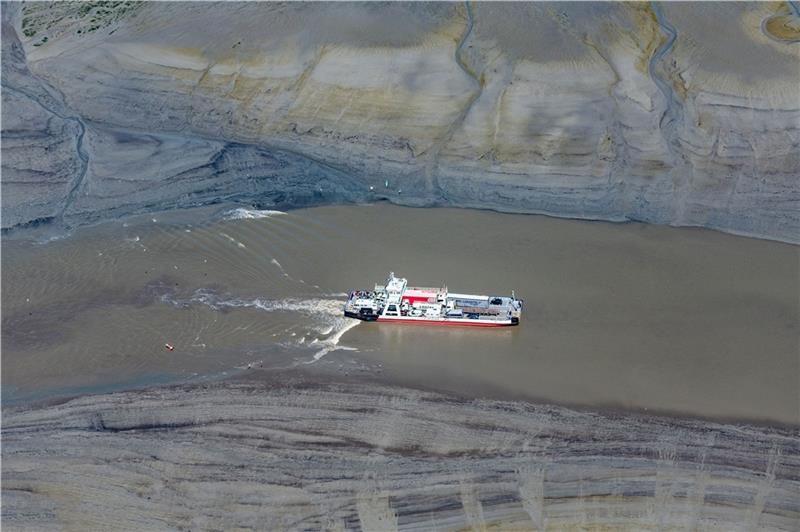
[[396, 302]]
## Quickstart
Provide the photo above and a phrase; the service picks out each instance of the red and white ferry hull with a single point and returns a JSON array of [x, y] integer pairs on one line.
[[453, 322]]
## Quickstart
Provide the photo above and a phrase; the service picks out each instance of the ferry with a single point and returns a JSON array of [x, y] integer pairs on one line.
[[396, 302]]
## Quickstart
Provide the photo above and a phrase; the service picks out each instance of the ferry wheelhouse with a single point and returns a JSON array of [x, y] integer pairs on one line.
[[396, 302]]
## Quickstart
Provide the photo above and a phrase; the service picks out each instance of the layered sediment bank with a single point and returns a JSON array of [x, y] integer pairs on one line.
[[293, 453], [586, 110], [612, 111]]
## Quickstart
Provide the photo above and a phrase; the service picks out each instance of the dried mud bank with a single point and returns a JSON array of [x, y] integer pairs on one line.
[[587, 110], [297, 454]]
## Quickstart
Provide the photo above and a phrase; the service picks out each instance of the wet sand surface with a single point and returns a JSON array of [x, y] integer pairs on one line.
[[624, 316], [284, 451]]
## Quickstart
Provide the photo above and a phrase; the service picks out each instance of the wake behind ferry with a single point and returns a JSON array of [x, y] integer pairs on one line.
[[397, 302]]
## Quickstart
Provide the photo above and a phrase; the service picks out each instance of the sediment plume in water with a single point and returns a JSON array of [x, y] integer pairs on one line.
[[632, 317]]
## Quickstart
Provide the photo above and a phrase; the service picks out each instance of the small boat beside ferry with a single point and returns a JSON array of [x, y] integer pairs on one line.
[[396, 302]]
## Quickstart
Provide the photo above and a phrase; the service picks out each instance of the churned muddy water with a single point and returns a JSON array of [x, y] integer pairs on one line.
[[625, 316]]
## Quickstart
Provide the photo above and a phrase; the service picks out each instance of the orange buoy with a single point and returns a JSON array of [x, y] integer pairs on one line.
[[169, 347]]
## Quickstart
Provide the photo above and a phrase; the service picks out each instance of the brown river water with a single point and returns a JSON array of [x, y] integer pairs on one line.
[[628, 316]]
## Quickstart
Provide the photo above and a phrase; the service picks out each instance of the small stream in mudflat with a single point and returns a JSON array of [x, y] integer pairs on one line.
[[617, 315]]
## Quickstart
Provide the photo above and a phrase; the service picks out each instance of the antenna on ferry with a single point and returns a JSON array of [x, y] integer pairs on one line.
[[512, 295]]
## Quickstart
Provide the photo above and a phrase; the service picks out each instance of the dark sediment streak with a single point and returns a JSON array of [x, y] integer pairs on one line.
[[295, 453]]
